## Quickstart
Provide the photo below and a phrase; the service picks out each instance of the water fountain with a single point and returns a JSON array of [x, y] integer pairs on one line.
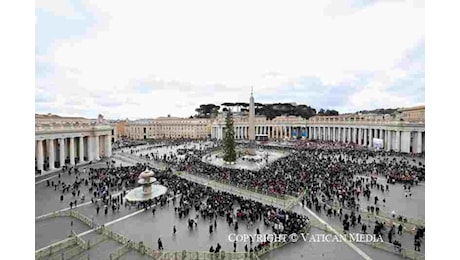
[[147, 190]]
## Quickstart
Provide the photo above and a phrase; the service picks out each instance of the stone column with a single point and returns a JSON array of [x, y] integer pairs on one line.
[[353, 135], [81, 150], [388, 140], [61, 152], [72, 151], [382, 136], [360, 133], [371, 136], [51, 153], [90, 144], [365, 136], [349, 135], [40, 157], [405, 142], [108, 146], [419, 142], [398, 141], [96, 148]]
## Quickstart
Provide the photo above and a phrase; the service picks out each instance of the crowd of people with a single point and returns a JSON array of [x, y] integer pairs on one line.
[[329, 172], [107, 188]]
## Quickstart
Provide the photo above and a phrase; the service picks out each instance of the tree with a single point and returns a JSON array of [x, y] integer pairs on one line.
[[207, 111], [229, 139]]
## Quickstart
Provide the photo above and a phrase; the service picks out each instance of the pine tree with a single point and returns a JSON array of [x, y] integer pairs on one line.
[[229, 139]]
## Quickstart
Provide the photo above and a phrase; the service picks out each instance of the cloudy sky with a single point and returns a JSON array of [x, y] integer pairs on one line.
[[144, 59]]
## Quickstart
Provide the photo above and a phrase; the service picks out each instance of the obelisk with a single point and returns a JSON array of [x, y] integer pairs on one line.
[[251, 131]]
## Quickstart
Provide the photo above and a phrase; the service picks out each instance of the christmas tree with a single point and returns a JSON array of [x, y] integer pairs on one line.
[[229, 139]]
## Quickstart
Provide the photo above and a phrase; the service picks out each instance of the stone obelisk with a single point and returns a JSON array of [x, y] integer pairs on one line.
[[251, 131]]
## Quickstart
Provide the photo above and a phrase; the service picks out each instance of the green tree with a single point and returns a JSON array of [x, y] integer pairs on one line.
[[229, 139]]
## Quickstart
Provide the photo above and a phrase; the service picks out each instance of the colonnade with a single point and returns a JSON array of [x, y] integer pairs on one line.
[[56, 151], [271, 131], [399, 140]]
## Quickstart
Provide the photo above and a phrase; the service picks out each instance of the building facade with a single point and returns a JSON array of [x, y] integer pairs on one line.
[[69, 140], [402, 132], [169, 127], [413, 114], [281, 127], [395, 133]]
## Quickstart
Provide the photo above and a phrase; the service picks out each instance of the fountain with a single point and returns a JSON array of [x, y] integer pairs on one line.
[[148, 190]]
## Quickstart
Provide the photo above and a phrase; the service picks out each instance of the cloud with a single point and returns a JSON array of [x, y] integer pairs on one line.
[[57, 8], [42, 97], [153, 59]]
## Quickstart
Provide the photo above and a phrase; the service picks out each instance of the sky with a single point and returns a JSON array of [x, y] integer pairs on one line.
[[145, 59]]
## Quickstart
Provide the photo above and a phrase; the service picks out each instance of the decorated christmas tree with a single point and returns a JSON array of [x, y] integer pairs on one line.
[[229, 139]]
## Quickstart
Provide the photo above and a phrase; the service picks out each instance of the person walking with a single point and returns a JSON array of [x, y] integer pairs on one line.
[[160, 244], [174, 230]]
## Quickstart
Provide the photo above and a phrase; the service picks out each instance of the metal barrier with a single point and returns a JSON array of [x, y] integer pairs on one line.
[[202, 255], [48, 251], [123, 250]]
